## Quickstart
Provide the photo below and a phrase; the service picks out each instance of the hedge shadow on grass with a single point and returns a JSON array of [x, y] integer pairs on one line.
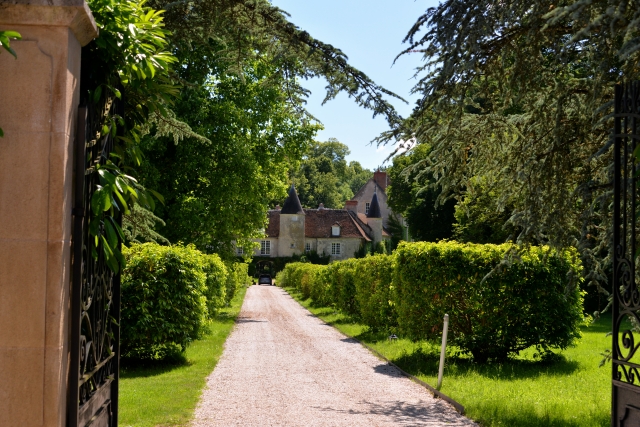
[[143, 368], [421, 362]]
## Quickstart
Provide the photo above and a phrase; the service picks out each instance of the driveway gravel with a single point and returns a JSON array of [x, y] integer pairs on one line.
[[282, 366]]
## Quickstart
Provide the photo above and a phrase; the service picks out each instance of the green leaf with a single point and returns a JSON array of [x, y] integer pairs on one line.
[[117, 227], [158, 195], [99, 201], [97, 94], [112, 237]]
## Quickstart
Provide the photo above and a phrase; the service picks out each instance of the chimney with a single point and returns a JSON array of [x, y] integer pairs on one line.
[[321, 206], [381, 179], [351, 205]]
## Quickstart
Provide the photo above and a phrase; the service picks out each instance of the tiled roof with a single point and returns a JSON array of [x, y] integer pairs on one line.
[[318, 224], [364, 223], [273, 227]]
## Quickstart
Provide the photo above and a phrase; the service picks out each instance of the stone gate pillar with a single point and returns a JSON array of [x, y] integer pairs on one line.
[[39, 95]]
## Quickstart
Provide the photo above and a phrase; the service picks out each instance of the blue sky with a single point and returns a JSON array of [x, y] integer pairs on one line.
[[370, 33]]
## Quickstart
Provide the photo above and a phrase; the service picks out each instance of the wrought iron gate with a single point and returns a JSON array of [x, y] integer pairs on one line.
[[95, 335], [625, 409]]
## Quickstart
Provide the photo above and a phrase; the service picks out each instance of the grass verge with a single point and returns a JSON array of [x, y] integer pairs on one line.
[[569, 391], [163, 394]]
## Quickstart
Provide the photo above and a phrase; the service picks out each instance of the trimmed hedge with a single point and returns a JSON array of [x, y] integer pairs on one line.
[[372, 278], [163, 299], [525, 303], [167, 293], [237, 276], [217, 282]]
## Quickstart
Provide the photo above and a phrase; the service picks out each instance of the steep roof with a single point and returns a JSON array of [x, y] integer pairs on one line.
[[374, 207], [292, 204], [318, 223], [363, 221]]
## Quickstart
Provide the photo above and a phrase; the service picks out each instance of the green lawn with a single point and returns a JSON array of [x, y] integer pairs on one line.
[[525, 392], [165, 394]]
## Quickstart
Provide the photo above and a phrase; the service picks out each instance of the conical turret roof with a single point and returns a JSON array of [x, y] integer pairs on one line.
[[292, 205], [374, 207]]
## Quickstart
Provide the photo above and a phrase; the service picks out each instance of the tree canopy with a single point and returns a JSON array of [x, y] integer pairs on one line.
[[325, 177], [520, 93], [411, 196], [217, 189], [214, 112]]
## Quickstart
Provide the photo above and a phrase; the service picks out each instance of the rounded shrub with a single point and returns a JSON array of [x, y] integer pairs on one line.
[[163, 304]]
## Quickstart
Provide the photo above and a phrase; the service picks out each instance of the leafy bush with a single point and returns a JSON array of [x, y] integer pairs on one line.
[[523, 304], [278, 263], [342, 287], [372, 280], [237, 277], [217, 278], [297, 275], [163, 299]]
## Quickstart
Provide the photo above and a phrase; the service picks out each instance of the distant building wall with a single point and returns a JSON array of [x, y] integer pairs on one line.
[[349, 246], [291, 238], [273, 243], [365, 195]]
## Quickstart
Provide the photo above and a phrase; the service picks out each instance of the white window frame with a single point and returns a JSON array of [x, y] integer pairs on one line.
[[336, 248], [367, 205], [307, 247], [335, 230], [265, 247], [239, 250]]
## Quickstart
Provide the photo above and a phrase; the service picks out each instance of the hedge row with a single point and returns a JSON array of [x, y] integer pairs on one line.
[[167, 294], [494, 312]]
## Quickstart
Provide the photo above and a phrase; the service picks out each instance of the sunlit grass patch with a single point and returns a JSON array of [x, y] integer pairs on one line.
[[166, 394]]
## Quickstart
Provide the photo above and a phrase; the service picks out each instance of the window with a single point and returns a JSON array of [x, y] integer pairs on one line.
[[307, 247], [239, 251], [265, 247], [366, 208], [335, 249], [335, 230]]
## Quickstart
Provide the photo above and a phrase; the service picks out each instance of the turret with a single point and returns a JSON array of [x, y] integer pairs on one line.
[[292, 222], [374, 219]]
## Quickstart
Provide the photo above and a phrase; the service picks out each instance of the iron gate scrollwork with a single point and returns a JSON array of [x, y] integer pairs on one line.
[[626, 295], [95, 293]]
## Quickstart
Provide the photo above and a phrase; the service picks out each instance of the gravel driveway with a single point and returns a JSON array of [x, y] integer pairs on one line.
[[282, 366]]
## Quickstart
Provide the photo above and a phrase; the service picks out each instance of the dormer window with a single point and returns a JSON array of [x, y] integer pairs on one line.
[[335, 230]]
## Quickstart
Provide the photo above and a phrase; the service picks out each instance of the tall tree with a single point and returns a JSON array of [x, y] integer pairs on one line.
[[325, 177], [545, 72], [217, 189], [240, 124], [428, 218]]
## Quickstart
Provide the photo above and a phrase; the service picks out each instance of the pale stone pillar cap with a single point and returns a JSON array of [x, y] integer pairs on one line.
[[74, 14]]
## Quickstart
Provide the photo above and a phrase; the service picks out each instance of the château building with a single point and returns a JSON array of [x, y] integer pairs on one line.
[[293, 230]]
